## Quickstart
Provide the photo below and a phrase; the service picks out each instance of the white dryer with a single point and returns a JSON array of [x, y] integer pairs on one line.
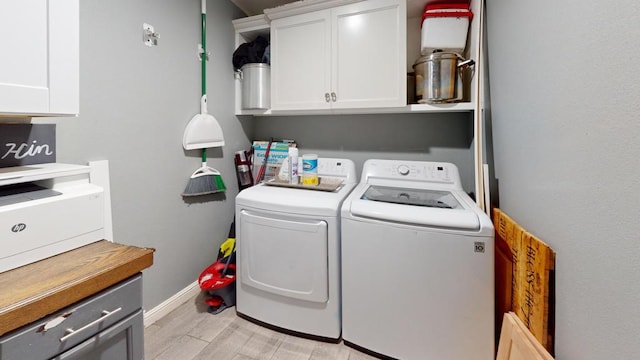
[[288, 253], [417, 264]]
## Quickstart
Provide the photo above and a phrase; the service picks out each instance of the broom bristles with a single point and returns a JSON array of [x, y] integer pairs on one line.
[[204, 184]]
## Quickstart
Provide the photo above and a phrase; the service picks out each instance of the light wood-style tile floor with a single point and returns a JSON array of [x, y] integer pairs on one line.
[[190, 333]]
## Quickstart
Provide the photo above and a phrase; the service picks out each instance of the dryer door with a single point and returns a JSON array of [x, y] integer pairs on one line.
[[286, 255]]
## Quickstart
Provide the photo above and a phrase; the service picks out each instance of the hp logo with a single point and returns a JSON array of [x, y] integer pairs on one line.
[[479, 246], [18, 227]]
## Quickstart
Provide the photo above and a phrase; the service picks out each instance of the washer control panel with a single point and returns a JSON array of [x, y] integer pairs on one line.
[[425, 171], [428, 172]]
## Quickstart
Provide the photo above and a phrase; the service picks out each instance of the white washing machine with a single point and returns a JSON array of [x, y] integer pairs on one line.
[[288, 253], [417, 264]]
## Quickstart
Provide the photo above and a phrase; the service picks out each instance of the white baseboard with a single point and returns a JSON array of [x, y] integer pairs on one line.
[[171, 303]]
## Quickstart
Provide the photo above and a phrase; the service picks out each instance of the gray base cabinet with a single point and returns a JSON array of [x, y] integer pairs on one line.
[[122, 341], [106, 326]]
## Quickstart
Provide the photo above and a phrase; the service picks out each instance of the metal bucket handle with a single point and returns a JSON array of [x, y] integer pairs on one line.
[[465, 64]]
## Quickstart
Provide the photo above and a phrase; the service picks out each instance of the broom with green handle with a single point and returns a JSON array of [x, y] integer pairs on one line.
[[203, 131], [205, 180]]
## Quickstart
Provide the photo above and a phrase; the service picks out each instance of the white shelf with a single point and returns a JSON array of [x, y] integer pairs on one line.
[[27, 173], [409, 109], [448, 107]]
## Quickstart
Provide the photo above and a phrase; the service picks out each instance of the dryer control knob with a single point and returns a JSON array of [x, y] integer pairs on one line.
[[403, 170]]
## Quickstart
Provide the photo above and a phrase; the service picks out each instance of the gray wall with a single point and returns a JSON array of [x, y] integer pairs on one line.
[[426, 137], [566, 98], [135, 102]]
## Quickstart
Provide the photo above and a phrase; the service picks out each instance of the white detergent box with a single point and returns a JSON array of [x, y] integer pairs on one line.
[[278, 153]]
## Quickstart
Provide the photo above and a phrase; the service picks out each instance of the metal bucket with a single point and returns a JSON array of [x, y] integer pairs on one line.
[[439, 77], [256, 86]]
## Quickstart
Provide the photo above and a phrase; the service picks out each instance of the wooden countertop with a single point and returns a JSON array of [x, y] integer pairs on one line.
[[30, 292]]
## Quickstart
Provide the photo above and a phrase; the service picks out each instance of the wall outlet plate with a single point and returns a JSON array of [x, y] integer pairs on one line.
[[149, 36]]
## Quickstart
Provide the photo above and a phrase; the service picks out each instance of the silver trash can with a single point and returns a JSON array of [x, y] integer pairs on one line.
[[256, 86]]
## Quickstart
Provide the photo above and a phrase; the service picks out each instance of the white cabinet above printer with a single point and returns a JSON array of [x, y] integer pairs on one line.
[[39, 66]]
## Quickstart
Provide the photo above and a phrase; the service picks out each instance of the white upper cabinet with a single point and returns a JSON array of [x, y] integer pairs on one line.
[[369, 54], [39, 66], [357, 52], [351, 56], [301, 61]]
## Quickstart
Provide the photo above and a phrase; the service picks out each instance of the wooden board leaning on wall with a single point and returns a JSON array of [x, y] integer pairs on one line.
[[525, 279], [517, 342]]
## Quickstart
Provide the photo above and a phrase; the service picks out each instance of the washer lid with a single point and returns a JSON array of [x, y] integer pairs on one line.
[[437, 208], [417, 197]]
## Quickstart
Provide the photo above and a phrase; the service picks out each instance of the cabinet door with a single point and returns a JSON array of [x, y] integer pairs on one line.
[[301, 61], [369, 54], [122, 341], [39, 62]]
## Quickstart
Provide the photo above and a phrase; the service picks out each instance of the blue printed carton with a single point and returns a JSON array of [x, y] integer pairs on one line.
[[278, 153]]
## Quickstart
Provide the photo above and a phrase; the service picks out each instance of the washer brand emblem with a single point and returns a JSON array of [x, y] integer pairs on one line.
[[18, 227], [479, 246]]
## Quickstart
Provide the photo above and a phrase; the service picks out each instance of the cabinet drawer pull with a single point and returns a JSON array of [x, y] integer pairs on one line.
[[105, 314], [333, 97], [326, 97]]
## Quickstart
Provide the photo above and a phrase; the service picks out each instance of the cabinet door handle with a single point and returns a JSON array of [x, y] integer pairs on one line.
[[105, 314], [333, 97], [326, 97]]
